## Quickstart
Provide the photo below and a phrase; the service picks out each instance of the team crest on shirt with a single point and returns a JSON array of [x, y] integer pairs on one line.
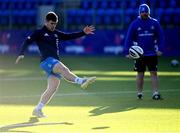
[[49, 65], [139, 29], [46, 34], [53, 60], [56, 35], [152, 27]]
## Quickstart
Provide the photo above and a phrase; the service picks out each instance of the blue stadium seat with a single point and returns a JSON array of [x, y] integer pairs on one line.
[[30, 4], [103, 4], [16, 18], [168, 16], [123, 4], [89, 15], [31, 17], [4, 5], [86, 4], [178, 3], [118, 16], [113, 4], [84, 17], [24, 4], [108, 16], [100, 16], [177, 17], [71, 16], [79, 17], [5, 15], [159, 13], [133, 4], [173, 3], [24, 17], [45, 2], [163, 4], [130, 15], [95, 4]]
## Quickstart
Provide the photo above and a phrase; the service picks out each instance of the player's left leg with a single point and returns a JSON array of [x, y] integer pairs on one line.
[[154, 81], [155, 84], [152, 63], [52, 86], [139, 84], [140, 67]]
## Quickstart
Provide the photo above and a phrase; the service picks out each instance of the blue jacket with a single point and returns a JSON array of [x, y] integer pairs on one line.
[[48, 41], [147, 34]]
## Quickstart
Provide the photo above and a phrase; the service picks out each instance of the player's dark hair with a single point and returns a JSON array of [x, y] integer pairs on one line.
[[51, 16]]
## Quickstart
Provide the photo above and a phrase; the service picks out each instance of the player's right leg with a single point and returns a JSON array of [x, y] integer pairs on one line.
[[154, 79], [139, 84], [52, 86], [140, 67], [152, 66], [60, 68]]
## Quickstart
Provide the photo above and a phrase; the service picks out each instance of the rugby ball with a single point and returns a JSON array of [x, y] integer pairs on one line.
[[136, 52]]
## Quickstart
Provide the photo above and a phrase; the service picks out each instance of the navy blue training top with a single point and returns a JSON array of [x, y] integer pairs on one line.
[[48, 41], [147, 34]]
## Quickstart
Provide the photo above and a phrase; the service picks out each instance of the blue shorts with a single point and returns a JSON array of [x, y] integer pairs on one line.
[[48, 64]]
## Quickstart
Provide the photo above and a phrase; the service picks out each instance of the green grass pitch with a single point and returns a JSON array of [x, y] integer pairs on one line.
[[107, 106]]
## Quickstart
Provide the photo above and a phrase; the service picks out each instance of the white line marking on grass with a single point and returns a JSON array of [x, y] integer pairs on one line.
[[22, 78], [70, 94], [87, 94]]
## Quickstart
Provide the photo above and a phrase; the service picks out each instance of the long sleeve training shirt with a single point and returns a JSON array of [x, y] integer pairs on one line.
[[145, 33], [48, 41]]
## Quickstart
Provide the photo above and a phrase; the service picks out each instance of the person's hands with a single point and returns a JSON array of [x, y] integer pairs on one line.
[[128, 56], [159, 53], [89, 29], [19, 58]]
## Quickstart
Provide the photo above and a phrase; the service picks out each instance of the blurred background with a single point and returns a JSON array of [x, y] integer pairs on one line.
[[18, 18]]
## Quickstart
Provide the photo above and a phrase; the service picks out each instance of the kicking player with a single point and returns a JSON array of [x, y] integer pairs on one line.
[[47, 39], [146, 32]]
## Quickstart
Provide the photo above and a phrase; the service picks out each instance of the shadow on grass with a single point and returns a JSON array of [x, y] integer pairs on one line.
[[100, 128], [128, 104], [32, 122], [110, 109]]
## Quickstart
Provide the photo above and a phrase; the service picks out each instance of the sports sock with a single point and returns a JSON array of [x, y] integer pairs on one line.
[[39, 106], [155, 93], [140, 93], [79, 80]]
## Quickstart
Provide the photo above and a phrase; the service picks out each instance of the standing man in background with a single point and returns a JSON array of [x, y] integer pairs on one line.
[[47, 39], [146, 32]]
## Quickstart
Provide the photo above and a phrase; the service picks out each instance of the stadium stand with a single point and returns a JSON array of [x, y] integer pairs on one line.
[[102, 13], [110, 17]]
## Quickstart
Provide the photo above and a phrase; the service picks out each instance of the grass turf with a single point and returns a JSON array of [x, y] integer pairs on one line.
[[107, 106]]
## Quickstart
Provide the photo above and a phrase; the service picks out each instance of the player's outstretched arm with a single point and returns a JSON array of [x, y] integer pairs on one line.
[[89, 29], [19, 58]]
